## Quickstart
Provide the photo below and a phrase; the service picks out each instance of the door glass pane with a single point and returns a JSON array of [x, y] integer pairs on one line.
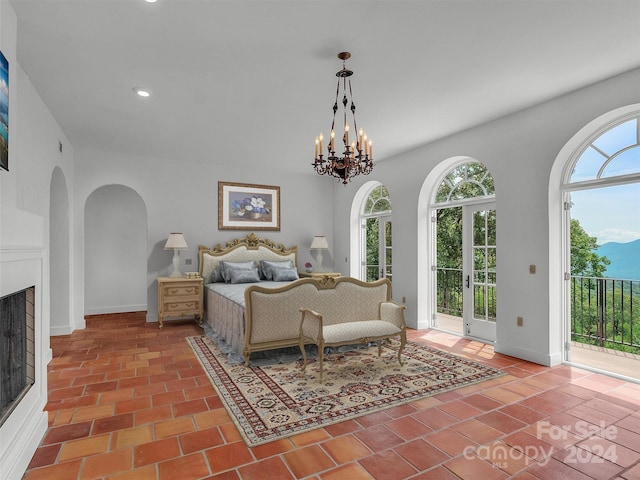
[[491, 228], [479, 265], [479, 296], [484, 265], [372, 249], [449, 261], [479, 228], [388, 252]]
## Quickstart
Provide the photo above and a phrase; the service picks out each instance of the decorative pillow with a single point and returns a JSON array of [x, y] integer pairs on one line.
[[237, 275], [284, 274], [268, 267], [227, 266], [211, 269]]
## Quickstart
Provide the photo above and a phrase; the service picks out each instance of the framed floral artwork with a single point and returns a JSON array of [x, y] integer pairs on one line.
[[245, 206]]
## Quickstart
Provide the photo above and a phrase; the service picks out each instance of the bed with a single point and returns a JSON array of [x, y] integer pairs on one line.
[[224, 300]]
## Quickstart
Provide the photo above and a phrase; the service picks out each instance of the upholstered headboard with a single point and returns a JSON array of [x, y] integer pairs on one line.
[[243, 249]]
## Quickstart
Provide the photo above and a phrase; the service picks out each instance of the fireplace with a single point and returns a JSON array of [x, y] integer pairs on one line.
[[17, 354], [24, 354]]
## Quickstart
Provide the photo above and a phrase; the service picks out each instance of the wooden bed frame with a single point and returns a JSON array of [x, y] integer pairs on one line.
[[227, 319]]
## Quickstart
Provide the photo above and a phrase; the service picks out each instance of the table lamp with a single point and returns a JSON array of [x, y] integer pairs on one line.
[[176, 242]]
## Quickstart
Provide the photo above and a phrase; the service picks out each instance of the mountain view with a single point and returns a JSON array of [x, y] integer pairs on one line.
[[625, 259]]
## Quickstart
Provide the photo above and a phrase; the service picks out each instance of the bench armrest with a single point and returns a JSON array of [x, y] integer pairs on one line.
[[311, 324], [394, 313]]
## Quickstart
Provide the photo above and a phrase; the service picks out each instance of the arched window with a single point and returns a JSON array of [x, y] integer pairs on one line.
[[611, 154], [469, 180], [375, 221], [378, 201]]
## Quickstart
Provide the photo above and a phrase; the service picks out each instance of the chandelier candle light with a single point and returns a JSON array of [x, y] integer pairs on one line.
[[357, 157]]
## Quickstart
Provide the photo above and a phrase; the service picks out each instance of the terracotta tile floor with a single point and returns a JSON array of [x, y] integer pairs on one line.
[[130, 401]]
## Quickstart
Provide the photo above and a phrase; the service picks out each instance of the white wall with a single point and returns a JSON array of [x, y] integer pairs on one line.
[[519, 150], [182, 196]]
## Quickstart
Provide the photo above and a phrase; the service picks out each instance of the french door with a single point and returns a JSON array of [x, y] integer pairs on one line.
[[378, 248], [479, 270]]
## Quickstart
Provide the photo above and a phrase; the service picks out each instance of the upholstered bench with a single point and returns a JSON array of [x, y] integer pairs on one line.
[[344, 321]]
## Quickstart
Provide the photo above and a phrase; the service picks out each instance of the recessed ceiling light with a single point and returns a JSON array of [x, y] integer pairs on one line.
[[150, 1], [143, 92]]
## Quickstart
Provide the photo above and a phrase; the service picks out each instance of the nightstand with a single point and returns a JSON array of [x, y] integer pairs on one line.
[[180, 297]]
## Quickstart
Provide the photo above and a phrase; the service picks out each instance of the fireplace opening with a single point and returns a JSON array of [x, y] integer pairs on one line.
[[17, 349]]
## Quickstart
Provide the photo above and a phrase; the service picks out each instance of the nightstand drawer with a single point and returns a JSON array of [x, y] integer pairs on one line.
[[181, 290], [182, 306]]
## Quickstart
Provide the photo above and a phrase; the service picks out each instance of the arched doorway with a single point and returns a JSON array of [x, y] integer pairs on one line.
[[115, 239], [376, 245], [462, 225], [600, 191]]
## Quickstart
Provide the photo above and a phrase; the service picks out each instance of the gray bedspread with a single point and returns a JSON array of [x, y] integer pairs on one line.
[[224, 314]]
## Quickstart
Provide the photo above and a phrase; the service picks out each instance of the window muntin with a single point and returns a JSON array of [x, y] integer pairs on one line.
[[614, 153], [469, 180], [377, 202]]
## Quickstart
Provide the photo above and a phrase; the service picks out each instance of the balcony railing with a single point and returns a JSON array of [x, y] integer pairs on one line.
[[449, 291], [606, 312], [449, 295]]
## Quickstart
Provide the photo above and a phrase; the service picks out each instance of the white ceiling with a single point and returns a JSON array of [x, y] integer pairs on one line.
[[251, 82]]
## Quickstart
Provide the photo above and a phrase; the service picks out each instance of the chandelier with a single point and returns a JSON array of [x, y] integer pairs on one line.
[[357, 155]]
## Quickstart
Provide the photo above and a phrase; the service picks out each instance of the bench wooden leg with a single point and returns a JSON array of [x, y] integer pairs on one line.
[[403, 341], [320, 358], [304, 355]]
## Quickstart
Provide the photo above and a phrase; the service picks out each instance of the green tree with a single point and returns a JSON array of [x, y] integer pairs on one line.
[[584, 261]]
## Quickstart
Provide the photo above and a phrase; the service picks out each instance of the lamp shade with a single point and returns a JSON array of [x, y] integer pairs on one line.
[[319, 243], [176, 241]]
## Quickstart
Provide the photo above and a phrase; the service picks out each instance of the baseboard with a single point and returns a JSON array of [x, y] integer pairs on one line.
[[115, 309], [57, 331], [548, 360]]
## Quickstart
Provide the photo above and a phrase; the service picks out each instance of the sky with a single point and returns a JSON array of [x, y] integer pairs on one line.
[[610, 214]]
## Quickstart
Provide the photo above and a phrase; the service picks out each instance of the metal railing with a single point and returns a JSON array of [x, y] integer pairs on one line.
[[449, 291], [449, 295], [606, 312]]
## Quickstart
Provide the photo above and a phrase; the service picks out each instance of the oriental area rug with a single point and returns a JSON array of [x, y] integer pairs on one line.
[[271, 402]]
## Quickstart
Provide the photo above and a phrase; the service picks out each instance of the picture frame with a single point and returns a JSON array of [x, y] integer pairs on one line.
[[4, 112], [247, 206]]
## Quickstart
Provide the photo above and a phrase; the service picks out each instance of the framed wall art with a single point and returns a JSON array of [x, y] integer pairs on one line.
[[245, 206], [4, 112]]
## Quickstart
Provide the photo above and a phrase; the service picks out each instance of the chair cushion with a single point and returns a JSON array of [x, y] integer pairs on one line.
[[344, 332]]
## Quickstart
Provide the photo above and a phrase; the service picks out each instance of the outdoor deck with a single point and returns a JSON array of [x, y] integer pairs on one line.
[[590, 356]]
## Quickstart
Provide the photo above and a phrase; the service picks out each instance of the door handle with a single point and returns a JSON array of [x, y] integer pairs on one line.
[[467, 281]]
